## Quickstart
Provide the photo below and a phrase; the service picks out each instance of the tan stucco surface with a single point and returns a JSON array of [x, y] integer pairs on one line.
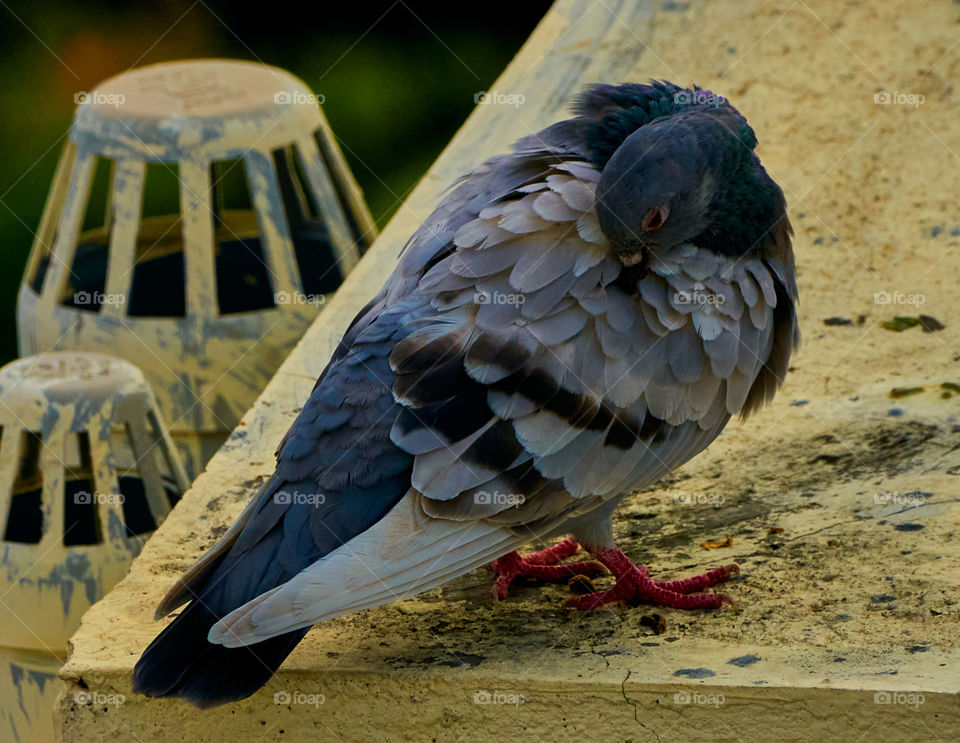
[[857, 595]]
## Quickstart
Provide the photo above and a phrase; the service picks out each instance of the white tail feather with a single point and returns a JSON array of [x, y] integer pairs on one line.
[[405, 553]]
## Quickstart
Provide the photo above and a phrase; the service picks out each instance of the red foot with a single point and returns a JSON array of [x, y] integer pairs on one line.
[[541, 565], [635, 586]]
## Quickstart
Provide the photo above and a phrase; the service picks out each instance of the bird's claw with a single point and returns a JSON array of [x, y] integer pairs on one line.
[[634, 586], [543, 565]]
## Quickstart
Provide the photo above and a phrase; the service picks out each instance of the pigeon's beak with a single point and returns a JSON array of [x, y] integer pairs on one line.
[[631, 259]]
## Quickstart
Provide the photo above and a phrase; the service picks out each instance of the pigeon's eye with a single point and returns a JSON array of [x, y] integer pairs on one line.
[[655, 217]]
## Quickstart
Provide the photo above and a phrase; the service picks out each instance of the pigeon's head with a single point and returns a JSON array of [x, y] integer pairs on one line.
[[679, 169]]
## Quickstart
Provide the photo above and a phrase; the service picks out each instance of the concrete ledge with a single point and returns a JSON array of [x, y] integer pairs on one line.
[[842, 504]]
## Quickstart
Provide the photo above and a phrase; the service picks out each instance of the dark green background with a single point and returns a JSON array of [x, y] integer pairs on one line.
[[399, 79]]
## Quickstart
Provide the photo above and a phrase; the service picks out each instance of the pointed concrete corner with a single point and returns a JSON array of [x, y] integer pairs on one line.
[[841, 500]]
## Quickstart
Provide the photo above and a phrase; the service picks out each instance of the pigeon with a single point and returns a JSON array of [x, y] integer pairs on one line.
[[576, 319]]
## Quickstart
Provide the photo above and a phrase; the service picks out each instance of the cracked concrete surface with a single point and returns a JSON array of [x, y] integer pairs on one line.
[[840, 499]]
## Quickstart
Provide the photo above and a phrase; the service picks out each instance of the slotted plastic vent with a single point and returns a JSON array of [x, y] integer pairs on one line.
[[319, 270], [243, 277], [66, 486], [81, 524], [88, 274], [25, 514], [157, 289]]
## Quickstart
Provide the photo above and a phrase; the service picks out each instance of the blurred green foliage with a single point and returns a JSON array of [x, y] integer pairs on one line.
[[398, 79]]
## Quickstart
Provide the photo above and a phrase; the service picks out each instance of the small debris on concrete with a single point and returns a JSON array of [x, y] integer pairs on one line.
[[900, 323], [744, 660], [897, 392], [728, 542], [694, 673], [908, 526], [656, 622]]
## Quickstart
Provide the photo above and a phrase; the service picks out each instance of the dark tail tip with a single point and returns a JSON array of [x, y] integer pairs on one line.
[[180, 662]]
